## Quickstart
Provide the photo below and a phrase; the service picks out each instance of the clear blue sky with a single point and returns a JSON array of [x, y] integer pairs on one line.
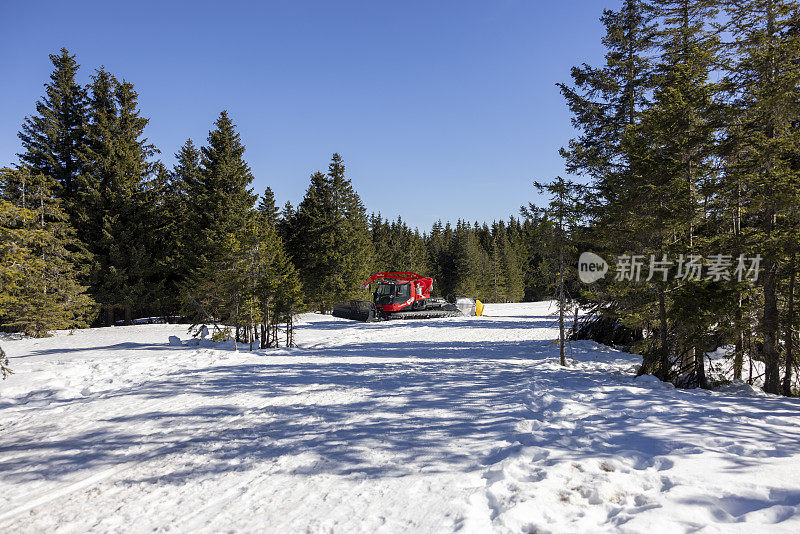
[[454, 101]]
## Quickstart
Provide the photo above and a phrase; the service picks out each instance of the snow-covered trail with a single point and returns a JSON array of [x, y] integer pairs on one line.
[[427, 426]]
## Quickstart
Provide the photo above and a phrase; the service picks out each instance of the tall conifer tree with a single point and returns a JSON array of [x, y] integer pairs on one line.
[[765, 78], [329, 238], [222, 198], [53, 138], [40, 259], [114, 218]]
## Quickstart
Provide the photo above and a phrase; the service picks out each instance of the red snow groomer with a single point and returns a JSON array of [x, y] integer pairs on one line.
[[404, 296]]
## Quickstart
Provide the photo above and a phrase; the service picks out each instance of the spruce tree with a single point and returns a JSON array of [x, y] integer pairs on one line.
[[765, 78], [497, 281], [673, 150], [176, 230], [115, 218], [40, 260], [506, 260], [565, 210], [220, 229], [222, 198], [267, 207], [465, 265], [277, 291], [5, 368], [436, 246], [186, 172], [329, 240], [310, 237], [607, 103], [396, 247], [53, 138], [352, 234]]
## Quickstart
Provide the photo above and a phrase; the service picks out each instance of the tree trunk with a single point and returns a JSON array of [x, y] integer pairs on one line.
[[770, 319], [575, 322], [563, 359], [750, 357], [264, 334], [563, 356], [700, 368], [663, 363], [769, 325], [738, 352], [789, 342], [687, 361], [738, 355]]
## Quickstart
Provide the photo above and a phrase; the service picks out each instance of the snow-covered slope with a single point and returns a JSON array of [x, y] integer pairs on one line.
[[429, 426]]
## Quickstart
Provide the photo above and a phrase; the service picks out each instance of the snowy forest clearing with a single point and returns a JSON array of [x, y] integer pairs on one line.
[[461, 424]]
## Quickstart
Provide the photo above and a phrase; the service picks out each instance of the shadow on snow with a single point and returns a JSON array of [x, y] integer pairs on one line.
[[447, 406]]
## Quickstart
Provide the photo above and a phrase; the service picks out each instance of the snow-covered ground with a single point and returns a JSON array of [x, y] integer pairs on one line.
[[431, 426]]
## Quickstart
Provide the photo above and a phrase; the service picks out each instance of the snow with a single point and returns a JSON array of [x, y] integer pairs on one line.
[[461, 424]]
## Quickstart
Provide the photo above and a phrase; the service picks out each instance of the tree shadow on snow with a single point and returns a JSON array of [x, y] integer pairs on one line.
[[115, 347], [376, 418], [446, 406]]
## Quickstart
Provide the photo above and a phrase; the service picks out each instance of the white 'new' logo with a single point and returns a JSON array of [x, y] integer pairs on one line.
[[591, 267]]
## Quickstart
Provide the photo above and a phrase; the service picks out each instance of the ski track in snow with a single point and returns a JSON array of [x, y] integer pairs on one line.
[[463, 424]]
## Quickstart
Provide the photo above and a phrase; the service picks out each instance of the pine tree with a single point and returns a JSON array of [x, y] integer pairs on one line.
[[53, 138], [267, 207], [507, 265], [765, 78], [40, 260], [673, 151], [565, 210], [172, 212], [329, 239], [115, 218], [220, 231], [222, 198]]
